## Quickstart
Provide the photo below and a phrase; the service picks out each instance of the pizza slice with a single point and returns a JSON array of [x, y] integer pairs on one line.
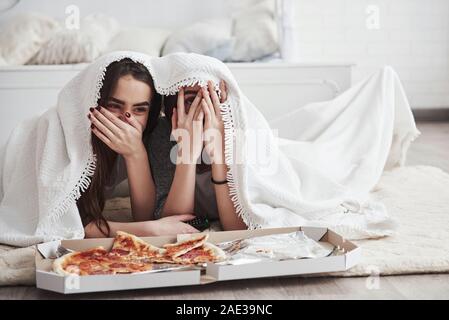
[[206, 253], [179, 248], [81, 263], [98, 261], [129, 246]]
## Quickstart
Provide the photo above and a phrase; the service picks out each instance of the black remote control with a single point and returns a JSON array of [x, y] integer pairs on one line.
[[199, 223]]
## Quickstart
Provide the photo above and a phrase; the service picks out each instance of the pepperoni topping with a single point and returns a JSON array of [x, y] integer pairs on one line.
[[173, 249], [120, 252], [193, 253]]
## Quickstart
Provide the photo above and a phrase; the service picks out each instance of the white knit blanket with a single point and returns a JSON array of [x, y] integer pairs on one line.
[[336, 154]]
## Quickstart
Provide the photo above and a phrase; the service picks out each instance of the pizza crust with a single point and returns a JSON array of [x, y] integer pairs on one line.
[[179, 248], [59, 264], [137, 243], [219, 254], [208, 252]]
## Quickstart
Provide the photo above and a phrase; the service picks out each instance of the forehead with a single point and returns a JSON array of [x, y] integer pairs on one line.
[[129, 88]]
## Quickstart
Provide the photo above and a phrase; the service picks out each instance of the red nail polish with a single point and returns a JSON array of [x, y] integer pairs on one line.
[[127, 114], [91, 109], [99, 108], [88, 115], [92, 126]]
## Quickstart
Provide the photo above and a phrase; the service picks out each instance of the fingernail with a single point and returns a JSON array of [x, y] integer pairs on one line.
[[91, 109], [99, 108], [92, 126], [127, 114], [88, 115]]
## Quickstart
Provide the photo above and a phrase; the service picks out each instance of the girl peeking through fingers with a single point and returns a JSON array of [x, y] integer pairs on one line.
[[122, 125], [195, 172]]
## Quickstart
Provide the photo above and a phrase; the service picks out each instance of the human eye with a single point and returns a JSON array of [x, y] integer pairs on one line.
[[113, 106], [189, 100], [141, 110]]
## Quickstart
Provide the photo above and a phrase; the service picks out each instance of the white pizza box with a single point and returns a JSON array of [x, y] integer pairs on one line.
[[47, 279], [348, 257]]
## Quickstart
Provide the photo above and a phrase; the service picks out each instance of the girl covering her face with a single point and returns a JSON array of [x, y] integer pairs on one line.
[[127, 112], [198, 175]]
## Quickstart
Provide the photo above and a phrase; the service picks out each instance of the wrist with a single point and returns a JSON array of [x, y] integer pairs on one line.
[[186, 167], [218, 182], [147, 228], [138, 154], [219, 172]]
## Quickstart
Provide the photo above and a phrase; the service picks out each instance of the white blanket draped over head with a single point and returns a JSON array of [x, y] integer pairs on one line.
[[321, 175]]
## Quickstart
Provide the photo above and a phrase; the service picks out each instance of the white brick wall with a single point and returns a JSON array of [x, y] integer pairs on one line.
[[413, 37]]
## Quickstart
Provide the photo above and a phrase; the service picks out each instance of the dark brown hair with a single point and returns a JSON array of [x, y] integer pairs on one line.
[[169, 103], [92, 201]]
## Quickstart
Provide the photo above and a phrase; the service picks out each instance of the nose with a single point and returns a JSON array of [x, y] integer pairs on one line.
[[121, 114]]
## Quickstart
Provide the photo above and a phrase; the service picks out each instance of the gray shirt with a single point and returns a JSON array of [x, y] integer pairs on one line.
[[159, 146]]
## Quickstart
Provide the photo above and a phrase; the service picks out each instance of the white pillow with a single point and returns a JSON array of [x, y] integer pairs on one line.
[[146, 40], [78, 45], [211, 37], [255, 30], [23, 36]]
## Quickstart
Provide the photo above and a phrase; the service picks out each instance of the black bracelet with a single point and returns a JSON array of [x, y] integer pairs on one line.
[[218, 182]]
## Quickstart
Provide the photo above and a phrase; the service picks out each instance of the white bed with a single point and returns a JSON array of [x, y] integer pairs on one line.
[[30, 89]]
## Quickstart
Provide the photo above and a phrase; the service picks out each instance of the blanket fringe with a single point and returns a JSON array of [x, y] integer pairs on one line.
[[81, 186], [89, 169], [229, 132]]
